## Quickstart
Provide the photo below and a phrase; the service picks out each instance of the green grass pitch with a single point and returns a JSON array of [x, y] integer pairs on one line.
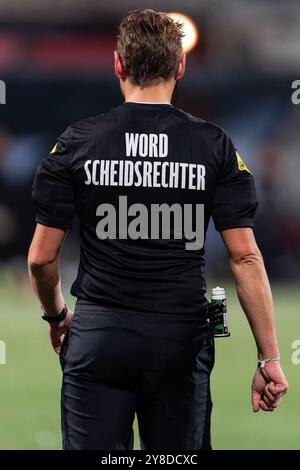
[[30, 381]]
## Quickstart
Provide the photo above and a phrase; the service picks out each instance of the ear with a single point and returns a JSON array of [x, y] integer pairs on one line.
[[119, 70], [181, 67]]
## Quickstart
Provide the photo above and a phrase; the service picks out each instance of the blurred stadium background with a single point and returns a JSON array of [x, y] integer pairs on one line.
[[56, 61]]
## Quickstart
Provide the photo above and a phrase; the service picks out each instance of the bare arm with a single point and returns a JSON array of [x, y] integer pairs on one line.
[[253, 288], [43, 267], [255, 296], [45, 278]]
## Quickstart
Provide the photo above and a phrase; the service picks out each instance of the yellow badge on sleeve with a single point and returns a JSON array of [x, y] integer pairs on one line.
[[54, 149], [241, 164]]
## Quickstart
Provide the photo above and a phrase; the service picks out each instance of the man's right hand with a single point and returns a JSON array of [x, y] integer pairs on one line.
[[57, 331], [268, 395]]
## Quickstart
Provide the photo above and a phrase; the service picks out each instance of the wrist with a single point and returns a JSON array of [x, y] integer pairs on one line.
[[56, 319], [262, 357], [268, 360], [268, 352], [53, 306]]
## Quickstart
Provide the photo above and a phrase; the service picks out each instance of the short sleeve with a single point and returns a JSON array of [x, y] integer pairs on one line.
[[52, 191], [234, 202]]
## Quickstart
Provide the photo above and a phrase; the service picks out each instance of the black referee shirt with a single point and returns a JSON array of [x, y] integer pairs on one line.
[[144, 180]]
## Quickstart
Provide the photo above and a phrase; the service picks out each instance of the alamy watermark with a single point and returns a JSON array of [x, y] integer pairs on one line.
[[2, 352], [295, 358], [159, 221], [295, 97], [2, 92]]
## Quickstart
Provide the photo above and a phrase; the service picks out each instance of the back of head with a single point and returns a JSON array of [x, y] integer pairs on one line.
[[149, 44]]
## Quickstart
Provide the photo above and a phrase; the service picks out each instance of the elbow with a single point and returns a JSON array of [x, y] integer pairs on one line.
[[248, 258], [38, 261]]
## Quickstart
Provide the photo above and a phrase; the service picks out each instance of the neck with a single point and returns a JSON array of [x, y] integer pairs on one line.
[[150, 94]]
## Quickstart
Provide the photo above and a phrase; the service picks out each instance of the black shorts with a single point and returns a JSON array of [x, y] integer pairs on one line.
[[117, 364]]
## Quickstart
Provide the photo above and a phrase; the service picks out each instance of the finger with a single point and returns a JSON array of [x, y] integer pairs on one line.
[[269, 395], [279, 397], [270, 389], [279, 388], [268, 402], [277, 402], [274, 403], [56, 346], [264, 406], [255, 398], [56, 343]]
